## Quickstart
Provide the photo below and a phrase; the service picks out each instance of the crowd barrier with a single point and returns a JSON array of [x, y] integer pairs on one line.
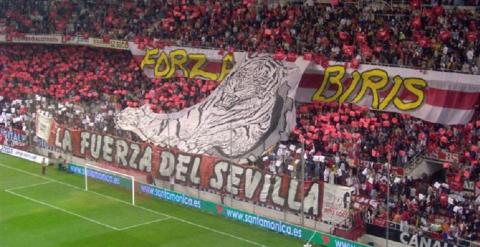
[[223, 210], [24, 155]]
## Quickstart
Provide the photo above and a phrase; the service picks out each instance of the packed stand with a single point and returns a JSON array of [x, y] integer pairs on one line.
[[425, 206], [84, 87], [433, 37], [16, 123], [352, 146], [373, 136]]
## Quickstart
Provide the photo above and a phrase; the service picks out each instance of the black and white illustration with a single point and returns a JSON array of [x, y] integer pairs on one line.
[[251, 110]]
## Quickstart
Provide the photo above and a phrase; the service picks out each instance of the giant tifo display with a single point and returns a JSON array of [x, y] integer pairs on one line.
[[305, 119]]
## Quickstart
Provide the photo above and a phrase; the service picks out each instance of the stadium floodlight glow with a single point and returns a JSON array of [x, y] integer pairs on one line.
[[107, 176]]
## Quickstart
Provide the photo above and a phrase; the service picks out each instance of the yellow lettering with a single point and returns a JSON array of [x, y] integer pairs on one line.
[[227, 64], [374, 86], [333, 75], [178, 59], [416, 86], [200, 60], [162, 66], [353, 85], [148, 58], [395, 88]]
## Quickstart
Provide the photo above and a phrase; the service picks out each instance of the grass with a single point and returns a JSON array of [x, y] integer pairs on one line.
[[54, 210]]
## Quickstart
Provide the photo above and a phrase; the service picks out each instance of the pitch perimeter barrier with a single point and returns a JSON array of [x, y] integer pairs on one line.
[[24, 155], [100, 175], [277, 226]]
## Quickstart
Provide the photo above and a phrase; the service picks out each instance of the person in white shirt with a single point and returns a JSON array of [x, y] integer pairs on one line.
[[331, 179], [326, 174], [470, 55]]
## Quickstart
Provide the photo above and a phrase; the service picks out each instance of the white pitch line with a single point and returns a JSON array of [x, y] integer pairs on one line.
[[29, 186], [146, 209], [310, 239], [9, 190], [143, 224], [63, 210]]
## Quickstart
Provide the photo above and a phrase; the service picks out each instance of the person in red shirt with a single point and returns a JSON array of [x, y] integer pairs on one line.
[[404, 221], [2, 139]]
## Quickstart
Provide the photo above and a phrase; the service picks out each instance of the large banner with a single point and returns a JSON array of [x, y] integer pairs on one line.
[[44, 125], [204, 172], [441, 97], [336, 203], [250, 111], [14, 137]]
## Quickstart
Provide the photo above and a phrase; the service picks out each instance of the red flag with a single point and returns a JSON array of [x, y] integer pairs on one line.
[[445, 35], [415, 4], [416, 22], [355, 63], [348, 50], [382, 34], [279, 55], [343, 36], [307, 56], [472, 36], [361, 38], [106, 38], [291, 57]]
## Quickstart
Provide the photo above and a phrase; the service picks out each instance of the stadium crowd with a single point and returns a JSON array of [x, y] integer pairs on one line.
[[85, 87], [352, 146], [344, 144], [98, 79], [349, 145], [424, 37]]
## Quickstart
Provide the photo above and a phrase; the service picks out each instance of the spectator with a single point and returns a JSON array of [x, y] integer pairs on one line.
[[395, 35]]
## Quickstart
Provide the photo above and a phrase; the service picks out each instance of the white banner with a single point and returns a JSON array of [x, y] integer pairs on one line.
[[336, 202], [75, 40], [44, 124], [113, 44], [24, 155], [434, 96], [40, 39]]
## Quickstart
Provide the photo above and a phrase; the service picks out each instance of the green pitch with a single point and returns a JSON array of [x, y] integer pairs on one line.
[[54, 210]]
